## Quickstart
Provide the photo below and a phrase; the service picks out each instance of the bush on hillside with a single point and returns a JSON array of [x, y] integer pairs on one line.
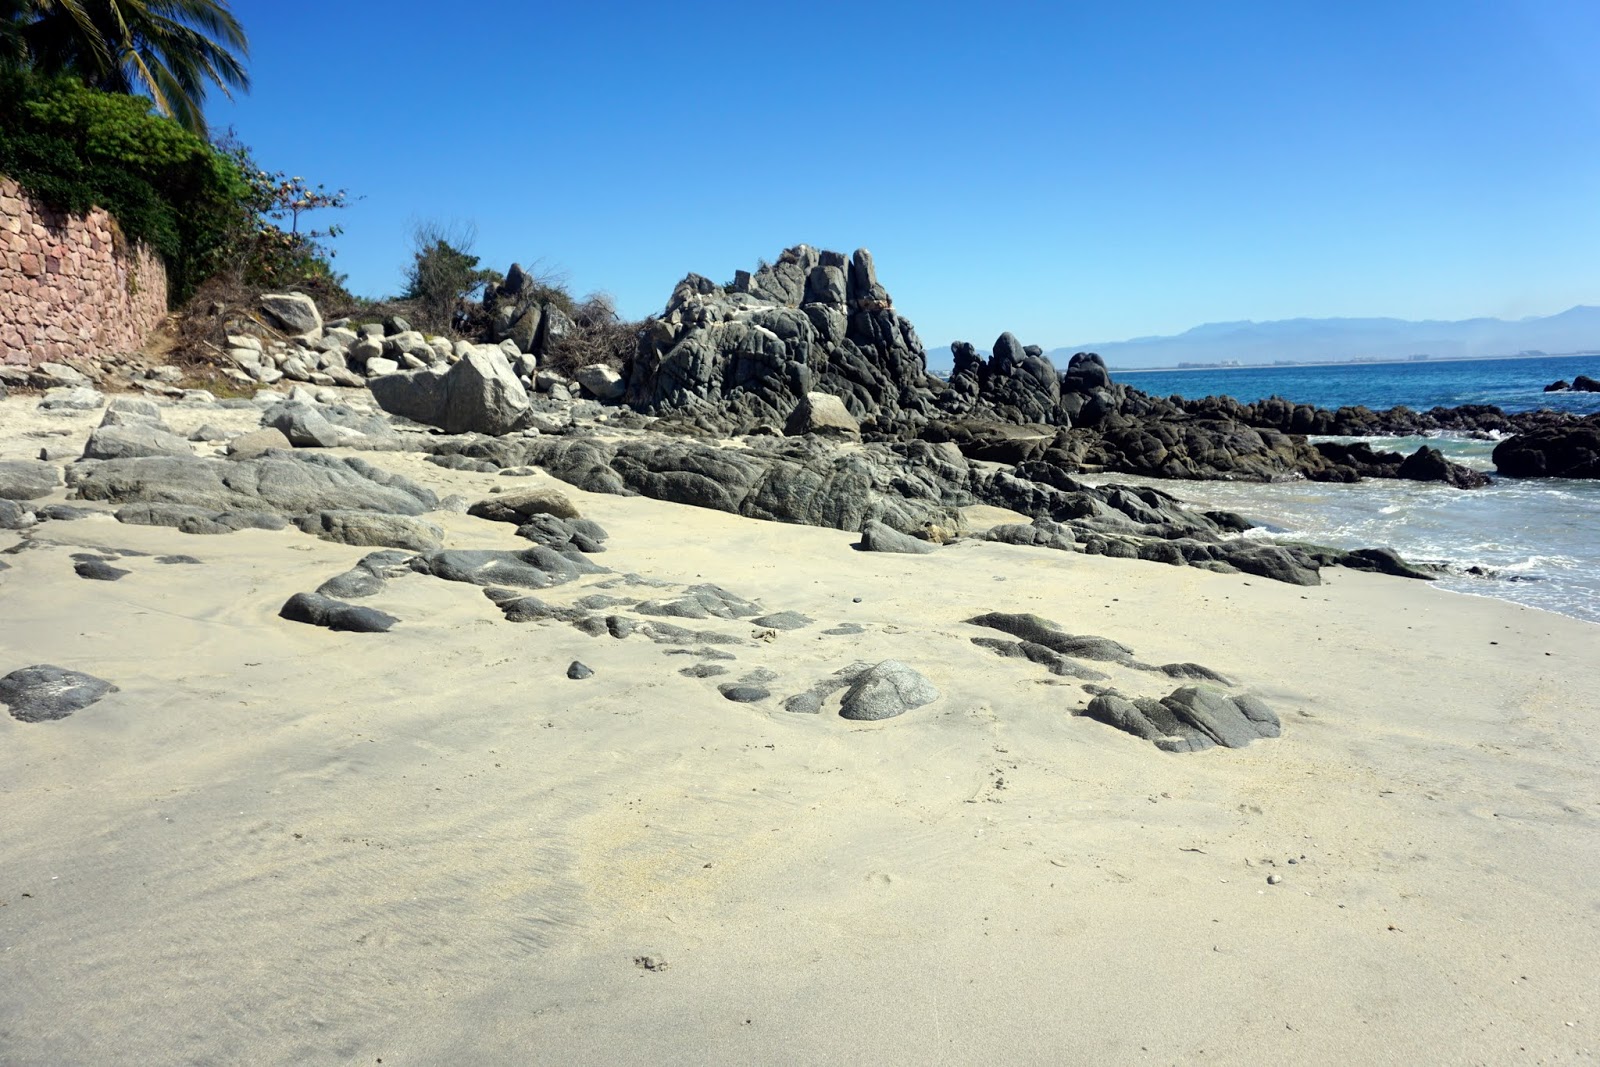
[[442, 275]]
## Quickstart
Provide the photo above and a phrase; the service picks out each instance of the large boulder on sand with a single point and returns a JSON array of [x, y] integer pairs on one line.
[[886, 690], [479, 394]]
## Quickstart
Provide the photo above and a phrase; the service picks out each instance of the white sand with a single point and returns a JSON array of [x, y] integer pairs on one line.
[[278, 844]]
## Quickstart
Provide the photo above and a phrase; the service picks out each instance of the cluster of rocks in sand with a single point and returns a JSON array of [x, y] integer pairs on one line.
[[796, 394], [280, 476]]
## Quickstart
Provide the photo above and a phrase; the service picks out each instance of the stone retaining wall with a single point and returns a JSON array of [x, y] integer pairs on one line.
[[71, 285]]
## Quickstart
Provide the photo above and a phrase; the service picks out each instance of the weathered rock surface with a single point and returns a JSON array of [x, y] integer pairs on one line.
[[519, 505], [1191, 719], [885, 690], [908, 487], [186, 518], [282, 482], [98, 570], [479, 394], [27, 479], [256, 442], [14, 516], [531, 568], [294, 312], [738, 359], [125, 442], [44, 693], [373, 529], [876, 537], [367, 577]]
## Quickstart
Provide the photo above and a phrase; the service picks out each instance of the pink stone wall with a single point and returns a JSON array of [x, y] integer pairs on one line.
[[70, 285]]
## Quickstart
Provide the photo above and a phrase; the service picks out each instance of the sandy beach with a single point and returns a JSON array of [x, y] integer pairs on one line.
[[281, 844]]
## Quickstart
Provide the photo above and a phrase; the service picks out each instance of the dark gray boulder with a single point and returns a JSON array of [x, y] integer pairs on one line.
[[367, 577], [783, 620], [1055, 662], [1036, 630], [1565, 451], [188, 519], [885, 690], [519, 505], [302, 424], [335, 615], [578, 671], [44, 693], [98, 570], [735, 359], [1044, 533], [585, 535]]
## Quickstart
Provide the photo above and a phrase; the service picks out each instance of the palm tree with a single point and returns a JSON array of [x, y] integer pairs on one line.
[[168, 50]]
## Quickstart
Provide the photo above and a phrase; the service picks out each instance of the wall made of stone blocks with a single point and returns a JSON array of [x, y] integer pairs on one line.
[[70, 285]]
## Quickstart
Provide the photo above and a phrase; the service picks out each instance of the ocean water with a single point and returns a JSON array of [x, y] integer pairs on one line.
[[1509, 384], [1537, 541]]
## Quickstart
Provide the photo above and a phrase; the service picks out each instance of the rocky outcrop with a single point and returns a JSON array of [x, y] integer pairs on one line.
[[911, 487], [284, 483], [771, 350], [741, 358], [1571, 451], [1581, 384]]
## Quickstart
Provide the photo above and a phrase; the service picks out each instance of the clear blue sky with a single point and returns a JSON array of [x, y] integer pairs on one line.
[[1070, 172]]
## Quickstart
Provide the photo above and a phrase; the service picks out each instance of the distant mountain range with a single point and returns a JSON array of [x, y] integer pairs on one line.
[[1339, 340]]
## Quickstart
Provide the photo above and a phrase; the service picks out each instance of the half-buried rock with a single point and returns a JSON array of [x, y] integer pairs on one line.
[[519, 505], [876, 537], [886, 690], [43, 693], [373, 529], [1192, 719], [335, 614]]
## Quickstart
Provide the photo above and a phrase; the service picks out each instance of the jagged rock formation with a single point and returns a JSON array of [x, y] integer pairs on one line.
[[765, 353], [741, 359]]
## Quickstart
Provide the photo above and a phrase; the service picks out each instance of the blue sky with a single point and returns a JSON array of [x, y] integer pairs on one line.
[[1069, 172]]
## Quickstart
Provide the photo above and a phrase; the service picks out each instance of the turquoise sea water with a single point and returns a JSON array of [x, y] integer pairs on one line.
[[1539, 540]]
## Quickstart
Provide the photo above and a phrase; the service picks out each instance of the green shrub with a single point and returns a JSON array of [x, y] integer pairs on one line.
[[75, 148]]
